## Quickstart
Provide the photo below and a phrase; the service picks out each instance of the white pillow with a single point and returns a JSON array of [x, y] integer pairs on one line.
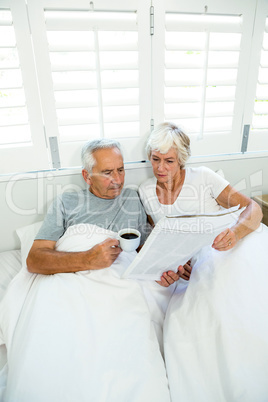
[[10, 264], [27, 235], [220, 173]]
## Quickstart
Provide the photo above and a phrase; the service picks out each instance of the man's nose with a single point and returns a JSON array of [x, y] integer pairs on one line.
[[116, 178]]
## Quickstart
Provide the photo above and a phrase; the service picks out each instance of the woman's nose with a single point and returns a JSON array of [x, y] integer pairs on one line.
[[160, 166]]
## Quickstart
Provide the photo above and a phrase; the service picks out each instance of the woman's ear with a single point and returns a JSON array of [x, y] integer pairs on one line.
[[86, 176]]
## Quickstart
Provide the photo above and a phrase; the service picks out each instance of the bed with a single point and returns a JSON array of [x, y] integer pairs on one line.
[[212, 351], [10, 264], [79, 336]]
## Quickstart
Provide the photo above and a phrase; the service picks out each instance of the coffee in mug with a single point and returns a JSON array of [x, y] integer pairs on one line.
[[129, 239], [129, 236]]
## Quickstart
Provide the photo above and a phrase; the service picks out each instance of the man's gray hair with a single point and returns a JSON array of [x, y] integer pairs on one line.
[[88, 160]]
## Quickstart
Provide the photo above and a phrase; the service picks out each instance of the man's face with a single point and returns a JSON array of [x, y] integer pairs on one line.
[[108, 174]]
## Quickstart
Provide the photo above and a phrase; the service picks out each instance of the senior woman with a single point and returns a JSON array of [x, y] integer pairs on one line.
[[216, 329]]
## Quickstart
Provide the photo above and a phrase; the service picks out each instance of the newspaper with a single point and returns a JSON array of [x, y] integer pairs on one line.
[[176, 239]]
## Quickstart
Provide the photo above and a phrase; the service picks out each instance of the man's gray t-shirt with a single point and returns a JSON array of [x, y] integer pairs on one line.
[[124, 211]]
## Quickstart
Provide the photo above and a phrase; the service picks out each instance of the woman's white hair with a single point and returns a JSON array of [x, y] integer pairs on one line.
[[88, 160], [166, 136]]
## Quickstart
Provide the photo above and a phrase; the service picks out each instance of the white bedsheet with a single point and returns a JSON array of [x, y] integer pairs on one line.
[[216, 329], [80, 337]]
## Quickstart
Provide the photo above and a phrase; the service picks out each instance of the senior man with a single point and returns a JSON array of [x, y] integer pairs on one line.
[[74, 330], [106, 204]]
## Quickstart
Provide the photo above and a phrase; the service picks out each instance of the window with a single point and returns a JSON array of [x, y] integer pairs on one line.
[[13, 113], [74, 71], [260, 115], [94, 73], [201, 83], [21, 128], [256, 100], [201, 65]]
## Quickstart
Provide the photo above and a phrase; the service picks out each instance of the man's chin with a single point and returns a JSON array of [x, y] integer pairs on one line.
[[115, 192]]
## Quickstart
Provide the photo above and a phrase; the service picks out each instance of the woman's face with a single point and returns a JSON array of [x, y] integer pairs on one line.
[[165, 166]]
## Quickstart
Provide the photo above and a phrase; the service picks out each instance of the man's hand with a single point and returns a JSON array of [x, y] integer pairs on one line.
[[45, 259], [104, 254]]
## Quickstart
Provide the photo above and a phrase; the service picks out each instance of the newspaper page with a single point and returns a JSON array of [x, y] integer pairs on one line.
[[176, 239]]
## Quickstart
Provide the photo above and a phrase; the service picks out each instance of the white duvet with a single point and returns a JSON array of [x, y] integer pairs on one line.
[[216, 329], [81, 337]]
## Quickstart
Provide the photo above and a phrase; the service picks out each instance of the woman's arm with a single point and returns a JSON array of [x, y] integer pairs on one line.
[[248, 221]]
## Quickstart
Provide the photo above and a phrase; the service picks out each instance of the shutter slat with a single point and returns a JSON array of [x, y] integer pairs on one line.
[[203, 22], [84, 20]]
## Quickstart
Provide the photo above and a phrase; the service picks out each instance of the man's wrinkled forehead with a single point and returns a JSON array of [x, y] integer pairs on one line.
[[108, 159]]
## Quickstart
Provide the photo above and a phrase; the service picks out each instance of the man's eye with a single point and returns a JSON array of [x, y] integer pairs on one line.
[[107, 173], [121, 170]]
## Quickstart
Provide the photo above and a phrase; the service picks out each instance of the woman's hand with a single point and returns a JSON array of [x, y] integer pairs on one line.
[[168, 278], [225, 240], [187, 271]]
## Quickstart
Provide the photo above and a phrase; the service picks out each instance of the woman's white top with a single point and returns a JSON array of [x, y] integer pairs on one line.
[[198, 195]]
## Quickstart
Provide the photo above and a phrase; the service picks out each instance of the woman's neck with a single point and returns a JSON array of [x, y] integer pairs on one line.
[[168, 192]]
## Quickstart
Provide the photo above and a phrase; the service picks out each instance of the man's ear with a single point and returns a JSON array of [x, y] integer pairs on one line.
[[86, 176]]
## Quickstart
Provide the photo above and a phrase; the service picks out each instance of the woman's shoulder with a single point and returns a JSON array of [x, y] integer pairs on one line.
[[202, 171], [197, 172], [198, 169], [207, 176]]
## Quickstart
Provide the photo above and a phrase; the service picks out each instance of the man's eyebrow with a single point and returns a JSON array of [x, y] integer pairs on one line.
[[106, 170], [110, 170]]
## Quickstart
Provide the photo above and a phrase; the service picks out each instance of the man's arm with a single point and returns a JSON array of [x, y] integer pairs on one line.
[[44, 259]]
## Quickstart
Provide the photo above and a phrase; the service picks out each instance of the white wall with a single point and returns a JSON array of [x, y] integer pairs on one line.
[[25, 198]]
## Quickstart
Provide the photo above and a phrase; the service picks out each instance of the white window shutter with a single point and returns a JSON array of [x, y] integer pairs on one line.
[[98, 60], [260, 118], [204, 71], [256, 101], [22, 140]]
